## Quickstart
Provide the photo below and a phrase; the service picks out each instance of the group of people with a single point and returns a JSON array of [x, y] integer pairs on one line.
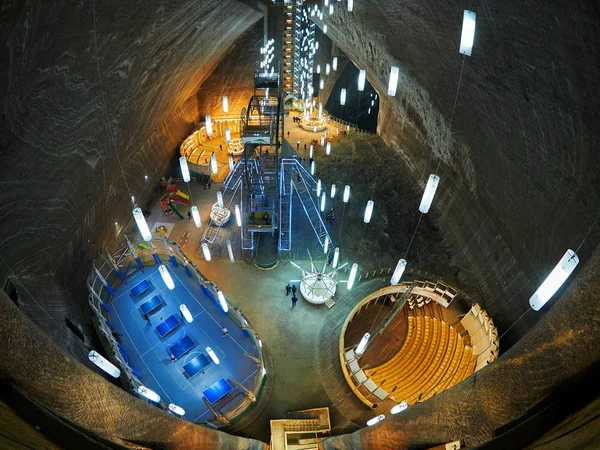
[[291, 288]]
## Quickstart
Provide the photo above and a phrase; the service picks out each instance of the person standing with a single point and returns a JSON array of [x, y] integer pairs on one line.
[[294, 300], [288, 289], [288, 134], [209, 183], [189, 215], [294, 289]]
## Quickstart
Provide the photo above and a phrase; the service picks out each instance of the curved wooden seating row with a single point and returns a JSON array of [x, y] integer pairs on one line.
[[432, 359]]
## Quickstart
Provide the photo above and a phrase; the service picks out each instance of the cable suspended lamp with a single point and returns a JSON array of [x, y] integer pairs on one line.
[[326, 246], [319, 187], [429, 193], [213, 163], [231, 164], [212, 355], [399, 408], [222, 301], [225, 104], [343, 97], [467, 36], [176, 409], [238, 215], [336, 257], [206, 251], [196, 216], [393, 82], [398, 271], [554, 280], [323, 198], [230, 251], [362, 76], [148, 393], [375, 420], [368, 211], [350, 5], [166, 276], [185, 170], [328, 148], [220, 199], [362, 345], [346, 193], [185, 312], [104, 364], [209, 130], [227, 135], [352, 276], [333, 190], [312, 168], [140, 221]]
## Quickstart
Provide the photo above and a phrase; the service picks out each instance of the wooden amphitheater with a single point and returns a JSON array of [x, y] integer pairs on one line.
[[434, 354]]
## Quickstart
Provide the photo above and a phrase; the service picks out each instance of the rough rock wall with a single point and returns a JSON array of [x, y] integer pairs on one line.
[[519, 162], [90, 91]]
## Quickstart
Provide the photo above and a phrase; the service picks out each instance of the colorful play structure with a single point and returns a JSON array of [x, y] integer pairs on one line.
[[174, 195]]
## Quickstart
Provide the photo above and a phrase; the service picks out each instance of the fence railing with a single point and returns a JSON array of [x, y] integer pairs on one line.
[[344, 125]]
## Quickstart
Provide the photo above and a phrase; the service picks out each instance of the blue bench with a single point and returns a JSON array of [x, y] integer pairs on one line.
[[217, 390], [140, 289], [151, 305], [168, 326], [196, 365], [182, 346]]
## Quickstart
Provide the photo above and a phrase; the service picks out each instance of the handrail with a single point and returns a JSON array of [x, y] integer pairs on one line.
[[348, 126]]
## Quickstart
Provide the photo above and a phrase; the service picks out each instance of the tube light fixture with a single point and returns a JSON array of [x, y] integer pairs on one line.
[[399, 408], [362, 75], [330, 10], [185, 312], [209, 130], [196, 216], [333, 190], [318, 188], [312, 168], [314, 128], [323, 197], [326, 246], [318, 65], [148, 393], [555, 280], [327, 67], [227, 135], [231, 164], [222, 301], [225, 104], [468, 33], [429, 192], [230, 251], [310, 151], [336, 257], [352, 276], [368, 211], [350, 5], [213, 163], [334, 63], [325, 28], [212, 355], [140, 221], [238, 215], [346, 193], [375, 420], [398, 271], [343, 97], [326, 2], [328, 148], [177, 409], [166, 276], [362, 345], [322, 141], [393, 83], [220, 199], [104, 364], [206, 251]]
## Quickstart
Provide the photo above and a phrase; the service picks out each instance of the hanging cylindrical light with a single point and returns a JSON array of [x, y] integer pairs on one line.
[[225, 104], [336, 257], [333, 190], [220, 199], [318, 65], [343, 97], [222, 301], [312, 168], [325, 28], [318, 188], [362, 345], [352, 276], [350, 5], [326, 246], [362, 76], [393, 83], [328, 148], [213, 163], [185, 312], [209, 129], [196, 216], [555, 280], [327, 69], [330, 10], [166, 276], [429, 192], [185, 171], [375, 420], [212, 355], [206, 251], [398, 271], [231, 164], [148, 393], [334, 63], [230, 251], [140, 221], [322, 141], [346, 193], [238, 215], [399, 408], [323, 197], [176, 409], [104, 364], [368, 211], [468, 33], [314, 128], [310, 151], [227, 135], [321, 106]]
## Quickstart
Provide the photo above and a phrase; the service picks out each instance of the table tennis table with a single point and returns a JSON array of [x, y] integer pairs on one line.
[[196, 365], [151, 305], [182, 346], [140, 289], [168, 326], [217, 390]]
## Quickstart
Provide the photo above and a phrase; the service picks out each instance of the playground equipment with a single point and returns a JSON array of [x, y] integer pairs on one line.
[[174, 195]]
